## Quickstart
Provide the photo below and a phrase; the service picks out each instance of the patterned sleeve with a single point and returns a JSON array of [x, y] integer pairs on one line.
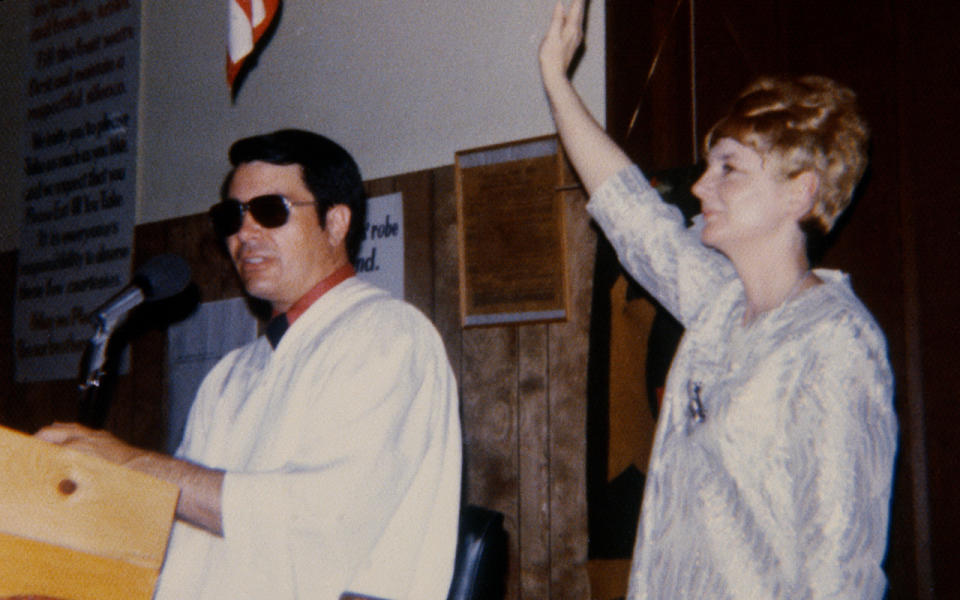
[[655, 246], [845, 435]]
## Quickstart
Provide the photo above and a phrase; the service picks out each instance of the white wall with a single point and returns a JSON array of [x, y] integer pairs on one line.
[[402, 84]]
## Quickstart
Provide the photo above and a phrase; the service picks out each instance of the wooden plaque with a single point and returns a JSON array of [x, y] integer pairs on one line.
[[75, 527], [512, 236]]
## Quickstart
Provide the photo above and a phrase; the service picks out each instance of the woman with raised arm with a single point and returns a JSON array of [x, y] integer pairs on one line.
[[771, 471]]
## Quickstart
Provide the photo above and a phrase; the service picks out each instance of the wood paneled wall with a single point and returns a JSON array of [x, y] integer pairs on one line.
[[522, 387], [523, 390]]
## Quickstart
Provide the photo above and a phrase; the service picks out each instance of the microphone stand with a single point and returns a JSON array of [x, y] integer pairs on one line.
[[161, 277], [93, 367]]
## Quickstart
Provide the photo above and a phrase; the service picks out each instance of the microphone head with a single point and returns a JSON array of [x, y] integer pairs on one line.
[[162, 276]]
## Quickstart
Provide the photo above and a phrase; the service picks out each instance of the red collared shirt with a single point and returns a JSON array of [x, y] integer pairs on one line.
[[281, 321]]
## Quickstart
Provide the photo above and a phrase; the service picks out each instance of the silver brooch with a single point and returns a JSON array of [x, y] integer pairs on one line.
[[694, 404]]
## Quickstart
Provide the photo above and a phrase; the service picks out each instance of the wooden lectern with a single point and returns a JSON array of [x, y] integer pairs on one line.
[[75, 527]]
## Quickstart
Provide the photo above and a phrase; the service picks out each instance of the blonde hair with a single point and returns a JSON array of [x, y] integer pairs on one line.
[[810, 123]]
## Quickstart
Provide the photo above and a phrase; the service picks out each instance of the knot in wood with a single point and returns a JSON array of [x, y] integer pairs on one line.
[[67, 486]]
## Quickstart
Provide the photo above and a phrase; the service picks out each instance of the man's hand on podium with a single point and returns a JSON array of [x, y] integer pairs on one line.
[[98, 443], [200, 487]]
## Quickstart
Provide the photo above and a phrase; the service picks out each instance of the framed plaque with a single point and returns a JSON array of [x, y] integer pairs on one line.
[[512, 235]]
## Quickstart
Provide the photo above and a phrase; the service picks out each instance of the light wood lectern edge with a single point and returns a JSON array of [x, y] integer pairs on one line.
[[76, 527]]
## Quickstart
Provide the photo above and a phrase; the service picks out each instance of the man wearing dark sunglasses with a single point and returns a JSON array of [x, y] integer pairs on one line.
[[325, 456]]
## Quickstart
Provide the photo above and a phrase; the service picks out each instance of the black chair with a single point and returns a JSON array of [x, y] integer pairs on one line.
[[480, 569]]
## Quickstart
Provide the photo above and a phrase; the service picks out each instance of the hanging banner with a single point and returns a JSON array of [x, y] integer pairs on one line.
[[79, 187]]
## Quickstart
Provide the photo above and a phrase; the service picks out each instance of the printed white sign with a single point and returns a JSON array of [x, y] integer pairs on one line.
[[380, 260]]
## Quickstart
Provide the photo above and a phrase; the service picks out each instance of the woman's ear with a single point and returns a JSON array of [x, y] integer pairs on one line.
[[803, 188]]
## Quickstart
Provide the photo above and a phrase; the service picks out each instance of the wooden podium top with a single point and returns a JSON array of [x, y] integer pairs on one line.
[[74, 527]]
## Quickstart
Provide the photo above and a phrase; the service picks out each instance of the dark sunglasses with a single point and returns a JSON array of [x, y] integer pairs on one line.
[[270, 211]]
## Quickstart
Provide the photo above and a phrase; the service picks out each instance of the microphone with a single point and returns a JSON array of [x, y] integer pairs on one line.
[[162, 276]]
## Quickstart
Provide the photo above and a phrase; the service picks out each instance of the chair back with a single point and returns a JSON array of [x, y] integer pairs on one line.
[[481, 563]]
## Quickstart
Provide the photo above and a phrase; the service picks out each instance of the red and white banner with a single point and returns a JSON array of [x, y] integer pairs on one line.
[[249, 19]]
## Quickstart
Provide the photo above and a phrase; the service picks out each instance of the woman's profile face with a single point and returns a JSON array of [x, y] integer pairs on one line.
[[742, 196]]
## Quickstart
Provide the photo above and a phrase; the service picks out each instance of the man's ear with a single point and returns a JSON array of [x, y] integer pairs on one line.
[[338, 223]]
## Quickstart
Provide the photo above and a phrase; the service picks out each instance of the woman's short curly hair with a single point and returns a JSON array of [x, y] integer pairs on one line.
[[811, 123]]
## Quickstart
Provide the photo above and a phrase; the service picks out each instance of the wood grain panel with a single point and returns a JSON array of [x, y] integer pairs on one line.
[[568, 348], [533, 440], [489, 411], [446, 277]]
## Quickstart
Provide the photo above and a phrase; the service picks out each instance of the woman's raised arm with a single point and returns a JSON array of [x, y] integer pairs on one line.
[[594, 155]]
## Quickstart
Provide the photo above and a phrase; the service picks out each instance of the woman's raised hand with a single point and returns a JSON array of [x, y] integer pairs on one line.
[[592, 152], [562, 40]]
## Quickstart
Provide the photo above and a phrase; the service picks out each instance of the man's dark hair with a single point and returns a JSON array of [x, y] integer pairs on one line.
[[329, 173]]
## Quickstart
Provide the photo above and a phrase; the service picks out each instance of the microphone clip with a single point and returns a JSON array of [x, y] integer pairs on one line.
[[94, 357]]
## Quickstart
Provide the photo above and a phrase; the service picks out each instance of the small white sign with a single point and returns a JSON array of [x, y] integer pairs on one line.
[[380, 259], [194, 346]]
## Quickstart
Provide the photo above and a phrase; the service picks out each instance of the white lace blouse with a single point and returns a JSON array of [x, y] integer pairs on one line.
[[771, 470]]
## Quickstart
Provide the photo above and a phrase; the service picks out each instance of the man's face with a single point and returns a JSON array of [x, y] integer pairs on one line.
[[280, 265]]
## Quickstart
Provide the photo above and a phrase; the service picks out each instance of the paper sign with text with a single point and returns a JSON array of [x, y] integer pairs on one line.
[[380, 260]]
